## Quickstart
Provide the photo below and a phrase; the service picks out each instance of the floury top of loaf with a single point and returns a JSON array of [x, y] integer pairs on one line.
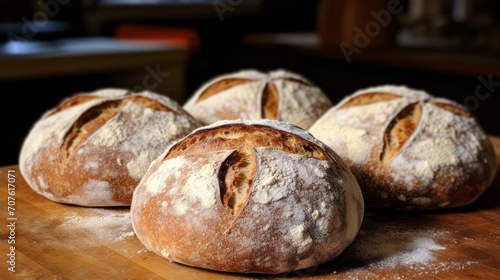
[[93, 148], [409, 149], [250, 94], [248, 196]]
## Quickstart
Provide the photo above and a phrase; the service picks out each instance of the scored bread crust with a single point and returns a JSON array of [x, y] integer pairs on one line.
[[248, 196], [93, 148], [253, 95], [408, 149]]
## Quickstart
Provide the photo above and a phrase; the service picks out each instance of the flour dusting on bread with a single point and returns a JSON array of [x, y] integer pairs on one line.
[[109, 136], [253, 196], [253, 95], [409, 149]]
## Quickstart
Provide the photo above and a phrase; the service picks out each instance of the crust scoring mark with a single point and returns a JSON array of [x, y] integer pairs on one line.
[[299, 81], [269, 97], [235, 136], [404, 125], [235, 178], [220, 86], [369, 98], [149, 103], [238, 170], [73, 101], [97, 116], [270, 102], [88, 123], [452, 108], [399, 130]]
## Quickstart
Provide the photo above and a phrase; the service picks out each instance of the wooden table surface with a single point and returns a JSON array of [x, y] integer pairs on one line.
[[56, 241]]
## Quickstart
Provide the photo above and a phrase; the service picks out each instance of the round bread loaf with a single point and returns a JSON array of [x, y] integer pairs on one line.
[[94, 148], [253, 95], [248, 196], [408, 149]]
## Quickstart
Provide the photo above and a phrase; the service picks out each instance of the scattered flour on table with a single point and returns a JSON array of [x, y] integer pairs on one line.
[[102, 225], [392, 247], [388, 249]]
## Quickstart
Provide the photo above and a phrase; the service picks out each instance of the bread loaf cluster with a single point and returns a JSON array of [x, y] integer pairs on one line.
[[93, 148], [248, 196], [277, 179], [408, 149], [252, 95]]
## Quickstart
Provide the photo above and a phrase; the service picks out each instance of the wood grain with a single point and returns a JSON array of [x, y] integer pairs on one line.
[[57, 241]]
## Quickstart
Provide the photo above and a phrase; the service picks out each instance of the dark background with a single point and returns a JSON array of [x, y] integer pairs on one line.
[[224, 49]]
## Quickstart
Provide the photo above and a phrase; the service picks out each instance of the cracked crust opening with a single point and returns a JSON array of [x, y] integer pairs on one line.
[[219, 86], [248, 196], [270, 102], [97, 116], [400, 129], [369, 98], [254, 95], [93, 148], [237, 172], [235, 136], [419, 152]]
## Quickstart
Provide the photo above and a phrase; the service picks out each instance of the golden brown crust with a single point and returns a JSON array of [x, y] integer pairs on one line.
[[270, 102], [239, 168], [400, 129], [253, 95], [236, 136], [93, 149], [411, 152], [73, 101], [368, 98], [235, 177], [89, 122], [149, 103], [220, 86], [245, 197], [453, 108]]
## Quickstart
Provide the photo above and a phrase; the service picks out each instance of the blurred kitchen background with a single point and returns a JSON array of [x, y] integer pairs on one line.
[[50, 49]]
